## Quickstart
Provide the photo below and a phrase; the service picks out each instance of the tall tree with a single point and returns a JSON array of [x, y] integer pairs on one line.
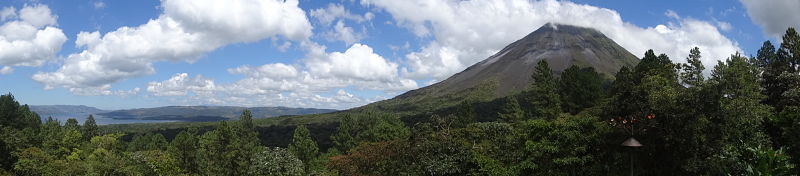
[[692, 74], [215, 151], [90, 128], [18, 129], [579, 88], [246, 142], [740, 115], [511, 111], [348, 129], [72, 123], [544, 90], [790, 49], [303, 146], [184, 148]]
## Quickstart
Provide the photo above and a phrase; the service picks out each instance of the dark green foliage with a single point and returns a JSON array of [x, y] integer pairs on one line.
[[692, 70], [303, 146], [579, 88], [184, 149], [215, 154], [149, 141], [72, 123], [90, 128], [511, 112], [278, 162], [564, 146], [358, 128], [544, 92], [766, 161], [18, 129]]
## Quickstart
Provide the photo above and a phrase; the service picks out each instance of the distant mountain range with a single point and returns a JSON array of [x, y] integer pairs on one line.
[[172, 113], [65, 110]]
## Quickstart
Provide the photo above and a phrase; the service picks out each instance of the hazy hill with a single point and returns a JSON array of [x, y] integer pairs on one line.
[[65, 110], [206, 113]]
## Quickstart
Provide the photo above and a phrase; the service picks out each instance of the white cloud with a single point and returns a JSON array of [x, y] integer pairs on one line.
[[187, 30], [103, 90], [99, 4], [6, 70], [339, 30], [357, 67], [672, 14], [774, 16], [37, 15], [304, 85], [327, 15], [466, 32], [724, 26], [30, 38], [181, 84], [8, 13], [343, 33]]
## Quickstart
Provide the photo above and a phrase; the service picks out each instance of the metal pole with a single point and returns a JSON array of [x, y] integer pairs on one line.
[[632, 161]]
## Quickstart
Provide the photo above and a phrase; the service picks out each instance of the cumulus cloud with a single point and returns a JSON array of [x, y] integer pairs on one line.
[[7, 13], [28, 37], [329, 14], [466, 32], [186, 31], [345, 34], [357, 67], [181, 84], [340, 31], [303, 85], [774, 16], [103, 90]]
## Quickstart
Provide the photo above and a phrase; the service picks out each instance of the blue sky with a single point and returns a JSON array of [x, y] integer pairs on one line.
[[325, 54]]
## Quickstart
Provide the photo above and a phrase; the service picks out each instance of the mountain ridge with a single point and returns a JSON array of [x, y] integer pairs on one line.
[[179, 113]]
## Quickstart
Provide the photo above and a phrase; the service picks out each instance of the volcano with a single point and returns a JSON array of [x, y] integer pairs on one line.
[[510, 69]]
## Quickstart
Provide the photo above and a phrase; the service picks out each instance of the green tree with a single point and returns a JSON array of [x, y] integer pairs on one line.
[[155, 162], [511, 112], [51, 133], [33, 161], [579, 88], [303, 146], [562, 146], [148, 141], [348, 129], [738, 123], [184, 148], [18, 129], [278, 162], [370, 126], [790, 49], [90, 128], [544, 92], [246, 143], [692, 74], [215, 156], [72, 123]]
